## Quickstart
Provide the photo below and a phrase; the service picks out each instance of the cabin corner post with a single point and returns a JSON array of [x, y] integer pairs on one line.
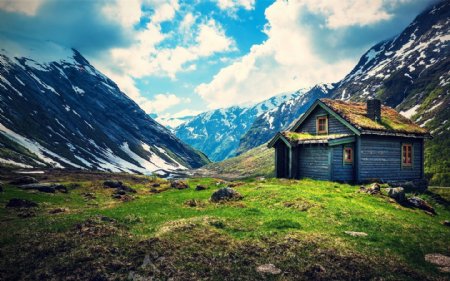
[[357, 160], [422, 162], [276, 161]]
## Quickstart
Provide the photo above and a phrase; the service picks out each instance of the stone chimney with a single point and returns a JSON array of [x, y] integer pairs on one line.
[[374, 109]]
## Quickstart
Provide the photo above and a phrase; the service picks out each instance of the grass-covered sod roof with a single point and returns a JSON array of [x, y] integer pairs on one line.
[[294, 137], [391, 120]]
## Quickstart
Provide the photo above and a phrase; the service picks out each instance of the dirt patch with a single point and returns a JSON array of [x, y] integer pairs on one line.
[[299, 204]]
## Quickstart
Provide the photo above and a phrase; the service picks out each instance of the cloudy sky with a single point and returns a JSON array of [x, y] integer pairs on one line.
[[178, 58]]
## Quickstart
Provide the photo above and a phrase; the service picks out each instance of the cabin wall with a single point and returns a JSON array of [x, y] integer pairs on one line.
[[380, 159], [341, 171], [314, 161], [334, 125]]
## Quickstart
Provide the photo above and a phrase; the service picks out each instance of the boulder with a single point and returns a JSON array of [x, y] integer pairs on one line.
[[112, 184], [356, 233], [21, 203], [225, 194], [421, 204], [177, 184], [126, 189], [200, 187], [57, 211], [45, 187], [268, 269], [397, 193], [23, 180], [373, 189]]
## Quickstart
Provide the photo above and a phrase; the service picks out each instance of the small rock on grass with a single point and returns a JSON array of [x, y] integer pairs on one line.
[[443, 262], [57, 211], [446, 223], [397, 193], [200, 187], [225, 194], [356, 233], [421, 204], [178, 184], [21, 203], [268, 268]]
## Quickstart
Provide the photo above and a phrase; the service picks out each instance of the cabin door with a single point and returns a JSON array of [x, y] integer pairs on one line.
[[282, 160]]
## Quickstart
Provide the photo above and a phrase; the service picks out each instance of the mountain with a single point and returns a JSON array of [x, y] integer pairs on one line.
[[409, 72], [62, 112], [217, 132], [269, 123]]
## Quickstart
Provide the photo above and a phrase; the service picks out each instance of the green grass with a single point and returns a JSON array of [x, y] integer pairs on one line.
[[272, 209]]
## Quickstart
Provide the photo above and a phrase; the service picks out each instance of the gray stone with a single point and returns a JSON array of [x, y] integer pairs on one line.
[[21, 203], [356, 233], [23, 180], [112, 184], [269, 269], [200, 187], [397, 193], [421, 204], [225, 194]]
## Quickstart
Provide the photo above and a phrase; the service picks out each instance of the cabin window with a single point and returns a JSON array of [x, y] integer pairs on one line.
[[322, 125], [407, 155], [348, 155]]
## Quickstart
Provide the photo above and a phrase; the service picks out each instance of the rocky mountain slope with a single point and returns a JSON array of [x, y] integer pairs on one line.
[[64, 113], [267, 124], [217, 133]]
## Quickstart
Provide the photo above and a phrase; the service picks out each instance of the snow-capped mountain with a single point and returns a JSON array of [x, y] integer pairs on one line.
[[217, 132], [62, 112], [269, 123]]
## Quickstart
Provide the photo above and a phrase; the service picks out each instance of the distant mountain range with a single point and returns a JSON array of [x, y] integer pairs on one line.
[[217, 133], [65, 113]]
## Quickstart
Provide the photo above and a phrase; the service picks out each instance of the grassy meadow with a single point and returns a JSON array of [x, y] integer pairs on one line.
[[297, 225]]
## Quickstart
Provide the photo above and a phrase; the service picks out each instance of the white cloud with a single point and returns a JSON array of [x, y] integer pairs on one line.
[[21, 6], [350, 12], [160, 103], [287, 60], [235, 4]]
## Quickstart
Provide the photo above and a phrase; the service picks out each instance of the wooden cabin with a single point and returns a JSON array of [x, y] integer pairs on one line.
[[351, 142]]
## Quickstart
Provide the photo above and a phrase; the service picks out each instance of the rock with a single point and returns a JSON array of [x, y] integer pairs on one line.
[[397, 193], [179, 184], [126, 189], [191, 203], [57, 211], [438, 259], [116, 196], [120, 192], [23, 180], [374, 189], [156, 184], [446, 223], [21, 203], [112, 184], [200, 187], [268, 268], [225, 194], [355, 233], [421, 204], [61, 188]]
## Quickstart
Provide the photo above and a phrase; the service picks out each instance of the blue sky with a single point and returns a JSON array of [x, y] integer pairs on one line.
[[176, 57]]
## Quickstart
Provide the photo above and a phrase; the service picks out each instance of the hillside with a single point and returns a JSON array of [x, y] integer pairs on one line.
[[217, 133], [297, 226], [59, 111]]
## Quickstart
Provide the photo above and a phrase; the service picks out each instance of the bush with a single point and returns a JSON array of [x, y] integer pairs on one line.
[[440, 179]]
